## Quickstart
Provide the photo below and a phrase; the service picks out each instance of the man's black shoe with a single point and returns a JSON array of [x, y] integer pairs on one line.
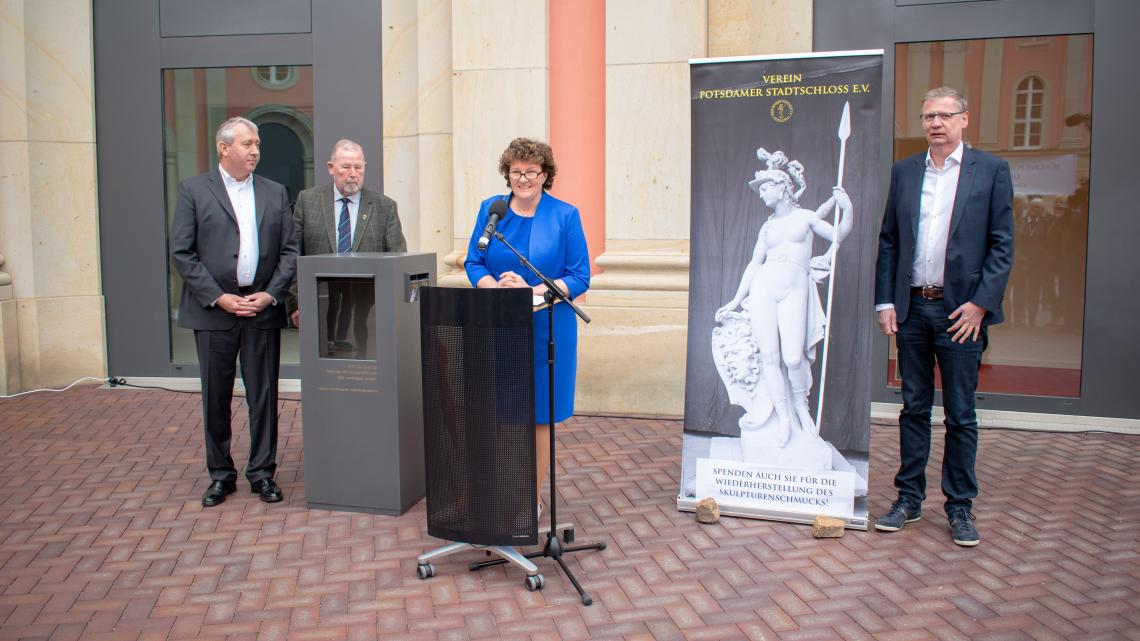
[[901, 513], [962, 529], [216, 493], [266, 490]]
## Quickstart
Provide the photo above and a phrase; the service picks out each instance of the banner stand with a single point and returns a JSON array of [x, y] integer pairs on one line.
[[784, 225]]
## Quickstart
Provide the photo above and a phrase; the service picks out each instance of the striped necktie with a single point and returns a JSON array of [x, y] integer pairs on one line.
[[343, 230]]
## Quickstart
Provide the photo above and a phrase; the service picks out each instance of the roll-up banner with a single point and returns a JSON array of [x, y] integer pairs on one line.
[[785, 215]]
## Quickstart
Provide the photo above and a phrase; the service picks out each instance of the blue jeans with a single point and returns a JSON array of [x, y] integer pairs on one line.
[[922, 340]]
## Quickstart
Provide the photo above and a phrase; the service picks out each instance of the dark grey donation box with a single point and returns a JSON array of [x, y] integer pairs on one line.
[[361, 389]]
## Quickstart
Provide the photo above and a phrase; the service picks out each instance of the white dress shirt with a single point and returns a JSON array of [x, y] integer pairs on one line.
[[242, 200], [939, 186], [353, 210]]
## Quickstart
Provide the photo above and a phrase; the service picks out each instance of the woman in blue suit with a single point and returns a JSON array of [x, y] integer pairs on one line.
[[549, 233]]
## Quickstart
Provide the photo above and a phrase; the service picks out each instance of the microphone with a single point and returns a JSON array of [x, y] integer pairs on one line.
[[498, 210]]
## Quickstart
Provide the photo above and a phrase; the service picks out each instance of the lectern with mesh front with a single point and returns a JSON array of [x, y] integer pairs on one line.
[[477, 349]]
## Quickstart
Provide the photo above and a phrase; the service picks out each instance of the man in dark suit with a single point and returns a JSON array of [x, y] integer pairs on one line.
[[945, 253], [341, 217], [232, 241]]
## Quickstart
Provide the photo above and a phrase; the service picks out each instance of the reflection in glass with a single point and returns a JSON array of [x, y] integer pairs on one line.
[[1027, 113], [347, 306], [195, 102], [1030, 103]]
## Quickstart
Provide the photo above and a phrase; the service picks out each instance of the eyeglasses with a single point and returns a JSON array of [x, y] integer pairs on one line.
[[941, 116], [346, 167], [529, 174]]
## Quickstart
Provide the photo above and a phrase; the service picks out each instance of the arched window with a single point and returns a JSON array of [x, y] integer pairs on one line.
[[275, 77], [286, 146], [1028, 113]]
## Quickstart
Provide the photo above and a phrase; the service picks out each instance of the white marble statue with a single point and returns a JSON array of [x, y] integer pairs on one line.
[[764, 351]]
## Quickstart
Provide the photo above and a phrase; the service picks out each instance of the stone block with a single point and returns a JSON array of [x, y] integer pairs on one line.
[[707, 510], [827, 527]]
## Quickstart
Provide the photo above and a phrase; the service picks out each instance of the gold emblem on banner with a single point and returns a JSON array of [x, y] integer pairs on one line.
[[782, 110]]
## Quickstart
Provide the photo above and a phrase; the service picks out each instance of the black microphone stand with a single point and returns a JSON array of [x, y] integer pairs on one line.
[[554, 549]]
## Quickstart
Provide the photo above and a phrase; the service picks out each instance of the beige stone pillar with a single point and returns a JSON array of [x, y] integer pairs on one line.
[[417, 121], [759, 27], [48, 209], [499, 92], [1077, 53], [990, 99], [917, 82], [954, 66], [632, 358], [9, 336]]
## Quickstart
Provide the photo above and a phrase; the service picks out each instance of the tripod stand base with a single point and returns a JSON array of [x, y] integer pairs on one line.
[[553, 549], [534, 581], [425, 570]]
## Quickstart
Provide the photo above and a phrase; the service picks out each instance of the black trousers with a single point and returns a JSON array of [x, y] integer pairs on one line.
[[259, 351]]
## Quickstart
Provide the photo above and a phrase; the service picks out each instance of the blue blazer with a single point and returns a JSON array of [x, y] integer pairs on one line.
[[557, 246], [558, 249], [979, 250]]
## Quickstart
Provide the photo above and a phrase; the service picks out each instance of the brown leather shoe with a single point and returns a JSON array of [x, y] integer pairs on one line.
[[216, 493], [267, 491]]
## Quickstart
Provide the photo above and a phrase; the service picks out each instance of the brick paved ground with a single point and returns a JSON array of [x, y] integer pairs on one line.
[[102, 536]]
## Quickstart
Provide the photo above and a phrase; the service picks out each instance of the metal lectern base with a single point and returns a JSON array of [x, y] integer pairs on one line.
[[534, 580]]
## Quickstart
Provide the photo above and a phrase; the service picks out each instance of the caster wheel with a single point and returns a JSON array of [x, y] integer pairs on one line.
[[587, 600], [425, 571], [602, 545], [534, 582], [568, 535]]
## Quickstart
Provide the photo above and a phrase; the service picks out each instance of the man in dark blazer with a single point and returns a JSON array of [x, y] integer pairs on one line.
[[945, 253], [341, 217], [232, 241]]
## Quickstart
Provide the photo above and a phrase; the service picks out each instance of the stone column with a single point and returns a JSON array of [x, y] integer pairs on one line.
[[499, 92], [758, 27], [578, 112], [417, 121], [48, 207], [9, 336], [918, 82], [1076, 95], [954, 66], [989, 102], [631, 359]]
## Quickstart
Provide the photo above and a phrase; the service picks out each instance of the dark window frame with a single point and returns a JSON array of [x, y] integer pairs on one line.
[[1107, 378], [130, 54]]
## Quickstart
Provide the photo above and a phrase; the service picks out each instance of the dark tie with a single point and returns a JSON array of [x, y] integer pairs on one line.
[[343, 230]]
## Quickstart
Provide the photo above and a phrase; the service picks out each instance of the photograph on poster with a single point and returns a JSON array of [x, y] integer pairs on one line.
[[766, 337]]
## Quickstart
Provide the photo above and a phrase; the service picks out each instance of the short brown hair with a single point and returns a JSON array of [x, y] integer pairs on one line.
[[529, 150]]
